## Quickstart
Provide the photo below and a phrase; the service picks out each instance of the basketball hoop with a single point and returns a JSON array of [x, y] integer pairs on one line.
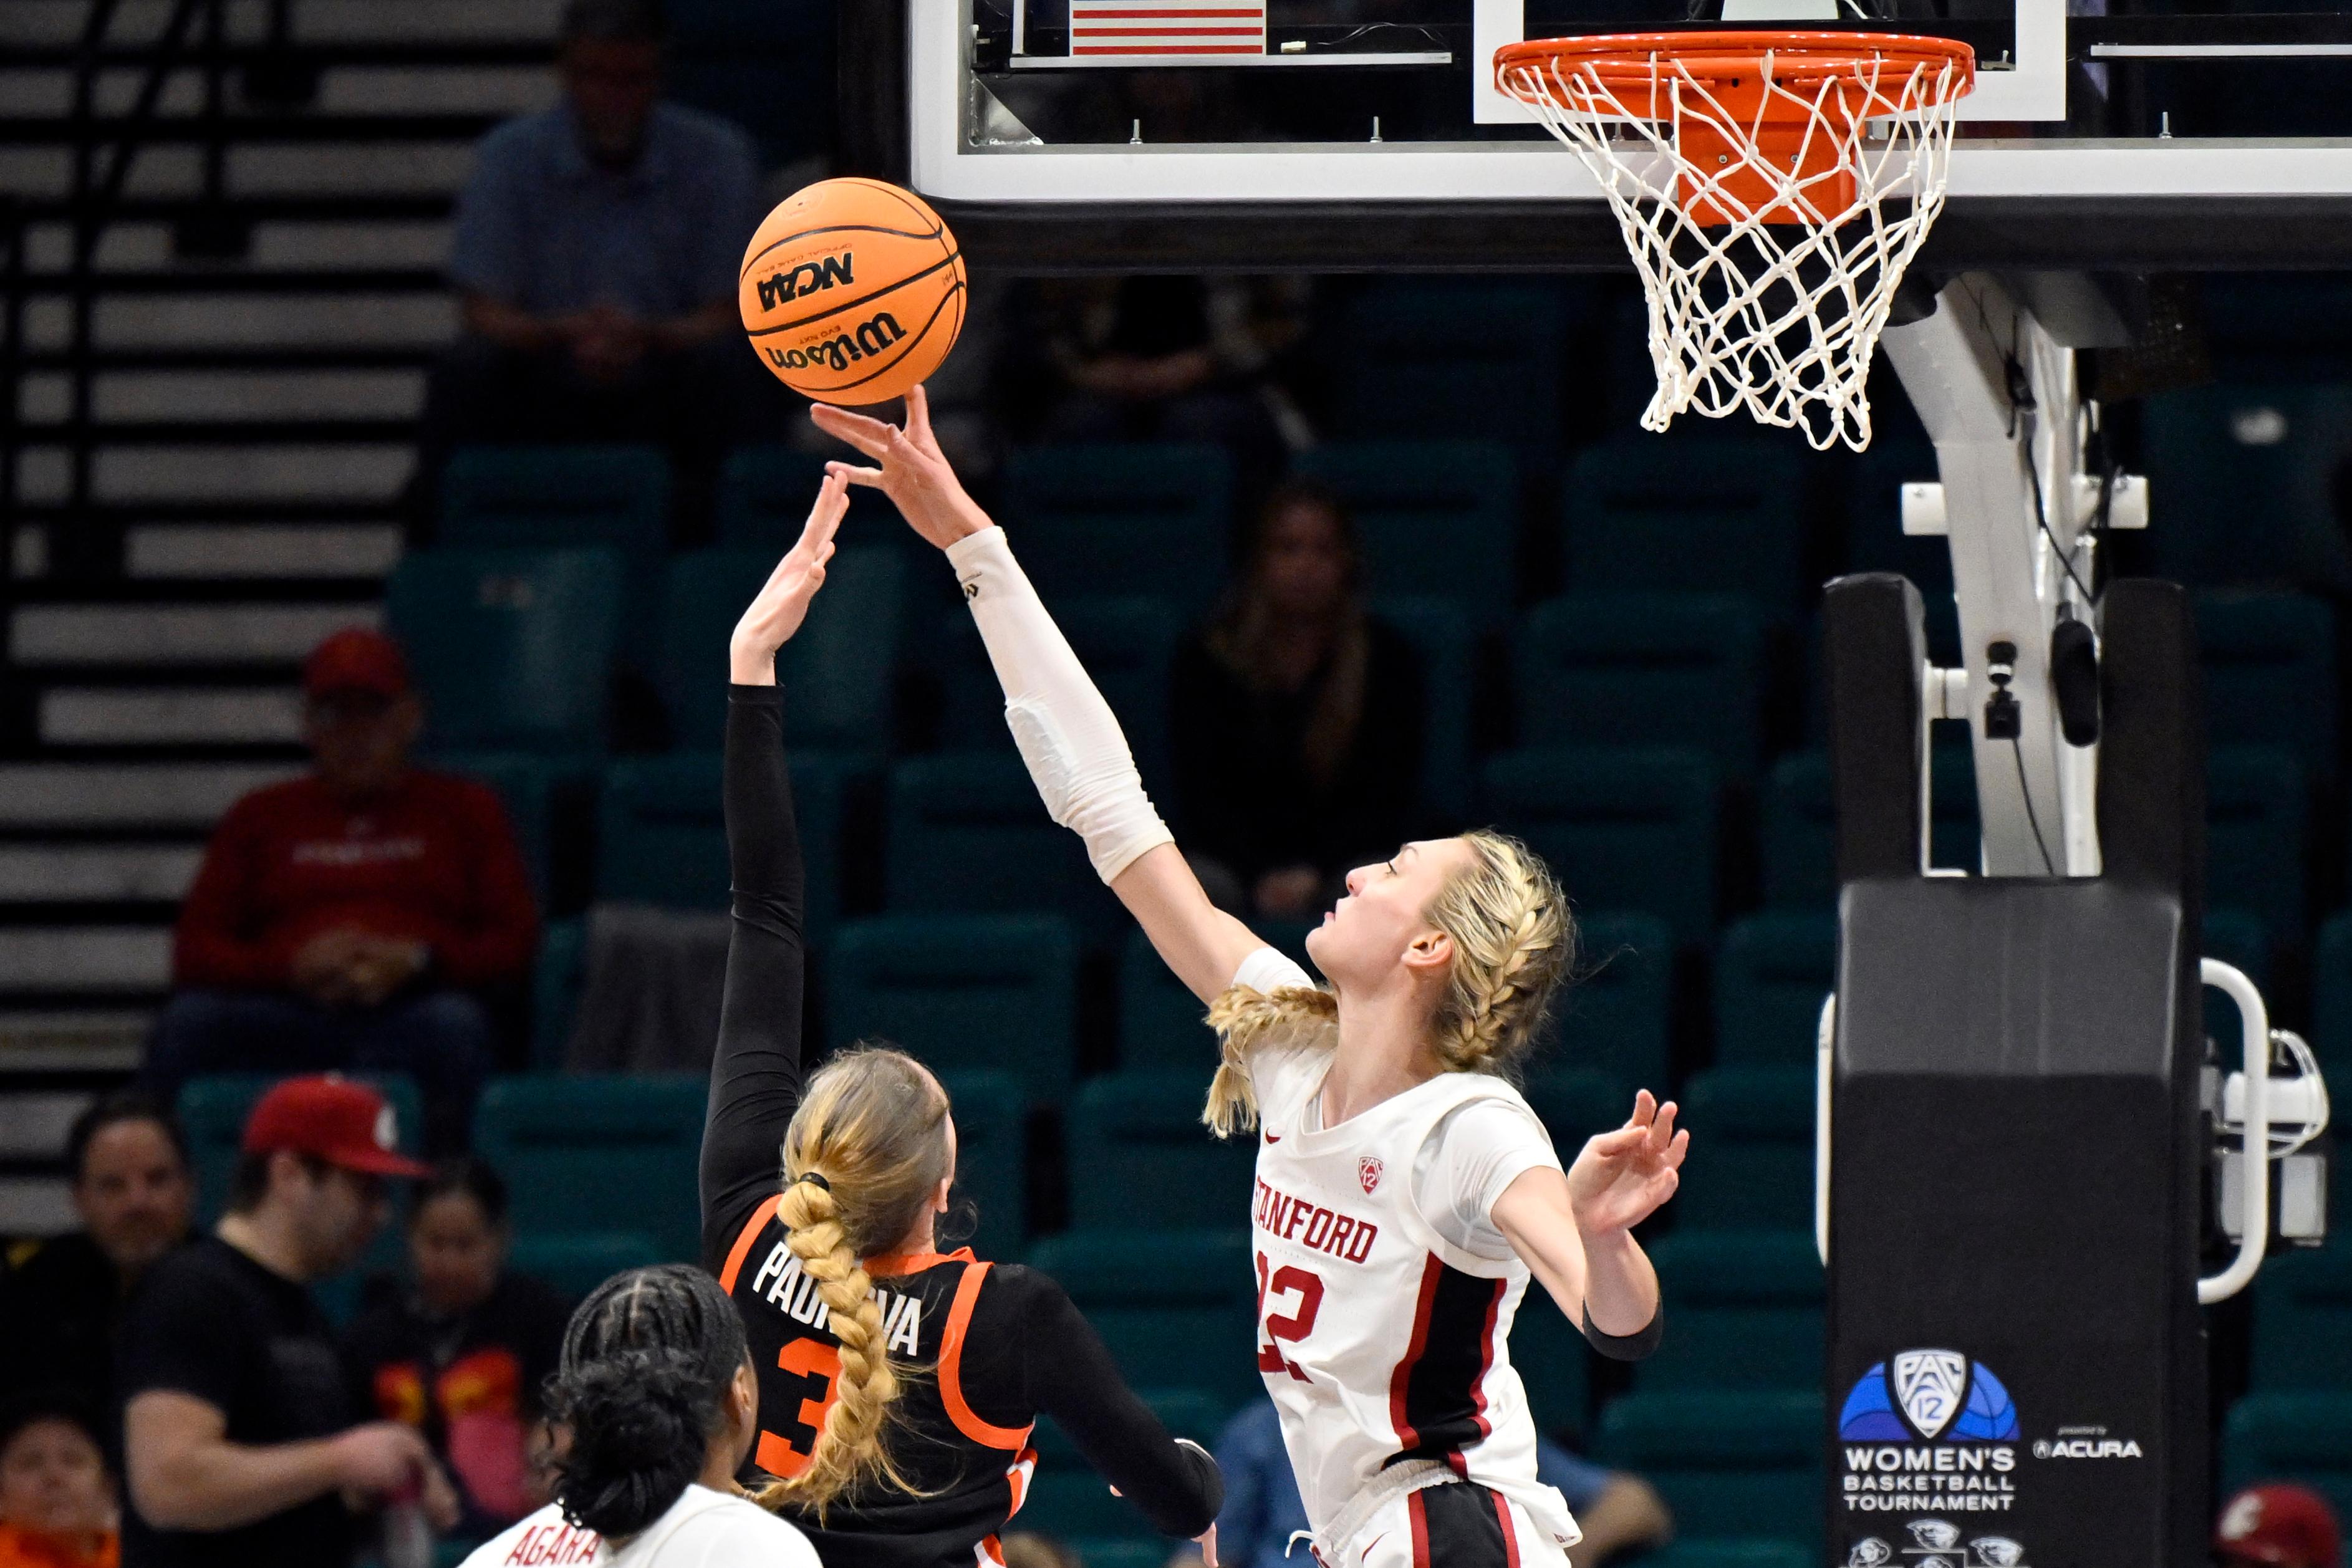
[[1772, 187]]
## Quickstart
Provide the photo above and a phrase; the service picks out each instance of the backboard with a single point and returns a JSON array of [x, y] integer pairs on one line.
[[1368, 133]]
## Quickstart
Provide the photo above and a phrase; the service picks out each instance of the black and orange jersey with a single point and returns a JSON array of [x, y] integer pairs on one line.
[[985, 1348]]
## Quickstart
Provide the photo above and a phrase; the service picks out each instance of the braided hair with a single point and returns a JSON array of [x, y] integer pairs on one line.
[[867, 1149], [1514, 941], [641, 1387]]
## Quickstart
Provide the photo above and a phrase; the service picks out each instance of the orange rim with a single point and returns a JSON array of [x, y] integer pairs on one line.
[[1731, 58]]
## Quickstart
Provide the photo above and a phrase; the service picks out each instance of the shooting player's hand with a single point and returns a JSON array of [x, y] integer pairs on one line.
[[913, 472]]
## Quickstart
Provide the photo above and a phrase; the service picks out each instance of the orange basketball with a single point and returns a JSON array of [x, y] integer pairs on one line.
[[852, 290]]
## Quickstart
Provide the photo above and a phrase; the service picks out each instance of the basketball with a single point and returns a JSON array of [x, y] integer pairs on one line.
[[852, 290]]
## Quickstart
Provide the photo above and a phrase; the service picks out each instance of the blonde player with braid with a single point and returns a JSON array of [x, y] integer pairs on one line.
[[1405, 1194], [898, 1385]]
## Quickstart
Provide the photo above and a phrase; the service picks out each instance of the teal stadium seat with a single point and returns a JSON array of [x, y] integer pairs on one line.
[[1737, 1463], [2331, 997], [1456, 359], [2284, 328], [1127, 644], [511, 647], [1799, 843], [556, 497], [992, 1120], [1612, 1017], [536, 793], [1177, 1309], [1697, 515], [1068, 1498], [1751, 1160], [2269, 661], [967, 835], [593, 1155], [1644, 669], [1553, 1362], [661, 833], [2245, 476], [1772, 972], [1575, 1104], [1625, 828], [765, 493], [837, 672], [576, 1264], [1439, 517], [2257, 821], [1162, 1024], [1441, 635], [1140, 1158], [1121, 519], [2304, 1437], [1747, 1311], [1875, 539], [555, 979], [213, 1109], [2303, 1320], [964, 993], [1729, 1551], [727, 57]]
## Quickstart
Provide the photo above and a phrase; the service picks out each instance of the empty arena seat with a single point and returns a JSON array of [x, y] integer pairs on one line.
[[558, 497], [1772, 971], [213, 1108], [2303, 1320], [1575, 1103], [765, 493], [2245, 476], [1612, 1016], [1162, 1024], [837, 671], [661, 834], [2269, 661], [1140, 1158], [2257, 813], [965, 993], [591, 1155], [536, 793], [1432, 517], [992, 1123], [1553, 1362], [555, 980], [511, 648], [1625, 828], [1457, 357], [2302, 1437], [967, 834], [1800, 847], [1694, 514], [1875, 539], [1440, 633], [1068, 1498], [1751, 1159], [2331, 997], [1748, 1309], [1127, 644], [577, 1262], [1176, 1308], [1121, 519], [1728, 1462], [1644, 669]]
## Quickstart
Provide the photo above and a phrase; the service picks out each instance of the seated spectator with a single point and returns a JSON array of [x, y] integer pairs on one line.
[[133, 1192], [57, 1508], [240, 1443], [2278, 1525], [462, 1350], [1297, 720], [596, 259], [1616, 1511], [344, 919]]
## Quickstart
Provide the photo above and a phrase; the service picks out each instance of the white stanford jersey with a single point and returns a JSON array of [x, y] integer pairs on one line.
[[703, 1528], [1378, 1339]]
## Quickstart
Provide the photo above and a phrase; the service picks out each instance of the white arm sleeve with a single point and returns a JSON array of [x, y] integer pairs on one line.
[[1467, 1160], [1076, 754]]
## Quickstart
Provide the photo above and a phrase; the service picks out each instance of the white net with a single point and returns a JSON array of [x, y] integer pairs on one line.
[[1770, 227]]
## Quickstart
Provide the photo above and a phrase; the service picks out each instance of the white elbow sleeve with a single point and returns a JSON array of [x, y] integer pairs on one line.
[[1076, 754]]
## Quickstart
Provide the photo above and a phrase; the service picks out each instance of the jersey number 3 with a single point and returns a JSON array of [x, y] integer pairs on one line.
[[815, 1361], [1294, 1325]]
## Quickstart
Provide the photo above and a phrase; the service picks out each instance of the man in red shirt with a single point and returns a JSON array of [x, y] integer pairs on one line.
[[344, 919]]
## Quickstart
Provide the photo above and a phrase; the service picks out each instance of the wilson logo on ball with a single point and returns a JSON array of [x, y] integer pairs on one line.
[[838, 353], [806, 279]]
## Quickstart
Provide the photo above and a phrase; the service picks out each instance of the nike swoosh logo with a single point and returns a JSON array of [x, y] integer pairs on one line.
[[1365, 1555], [1274, 1137]]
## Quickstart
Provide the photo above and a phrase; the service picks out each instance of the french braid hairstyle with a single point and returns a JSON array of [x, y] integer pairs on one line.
[[1514, 941], [647, 1361], [871, 1129]]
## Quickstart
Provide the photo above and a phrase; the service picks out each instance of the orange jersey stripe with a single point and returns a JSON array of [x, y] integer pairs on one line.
[[752, 1227], [951, 1369]]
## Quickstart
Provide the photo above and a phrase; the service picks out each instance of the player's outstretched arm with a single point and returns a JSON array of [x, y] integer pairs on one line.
[[755, 1078], [1574, 1231], [1067, 733]]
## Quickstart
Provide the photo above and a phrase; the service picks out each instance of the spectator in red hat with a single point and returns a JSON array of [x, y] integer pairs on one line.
[[2278, 1525], [350, 918], [241, 1443]]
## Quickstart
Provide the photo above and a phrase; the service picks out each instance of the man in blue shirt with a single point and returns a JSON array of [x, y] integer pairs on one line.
[[1615, 1510], [595, 258]]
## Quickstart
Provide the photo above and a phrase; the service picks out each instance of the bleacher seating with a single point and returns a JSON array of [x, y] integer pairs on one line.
[[2257, 810], [1772, 972], [765, 493], [992, 1123], [2331, 999], [966, 834], [1644, 669], [837, 671], [1145, 1162], [1440, 633], [1174, 1308], [595, 1154], [1739, 1463], [1575, 1104], [1875, 539], [511, 647], [661, 837], [1554, 1363], [2245, 476], [1748, 1308], [1128, 646], [1434, 518], [1162, 1024], [576, 1261], [1624, 828], [1455, 359], [2304, 1437], [2303, 1320], [1696, 515], [1799, 847], [1729, 1551], [2269, 662], [213, 1109], [964, 993], [1751, 1159], [1068, 1498], [534, 792], [1121, 519], [556, 497], [1612, 1017]]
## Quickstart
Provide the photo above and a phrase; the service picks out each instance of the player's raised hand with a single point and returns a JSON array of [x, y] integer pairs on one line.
[[782, 602], [1621, 1177], [911, 470]]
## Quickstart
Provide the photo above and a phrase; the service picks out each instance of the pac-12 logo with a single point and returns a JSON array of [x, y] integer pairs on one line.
[[1920, 1396], [1367, 1172]]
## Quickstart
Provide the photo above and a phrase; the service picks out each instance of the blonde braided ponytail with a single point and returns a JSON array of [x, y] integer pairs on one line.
[[1514, 940], [1245, 1019]]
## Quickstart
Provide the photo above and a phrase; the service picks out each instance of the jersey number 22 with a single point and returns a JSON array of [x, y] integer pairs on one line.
[[1292, 1325]]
